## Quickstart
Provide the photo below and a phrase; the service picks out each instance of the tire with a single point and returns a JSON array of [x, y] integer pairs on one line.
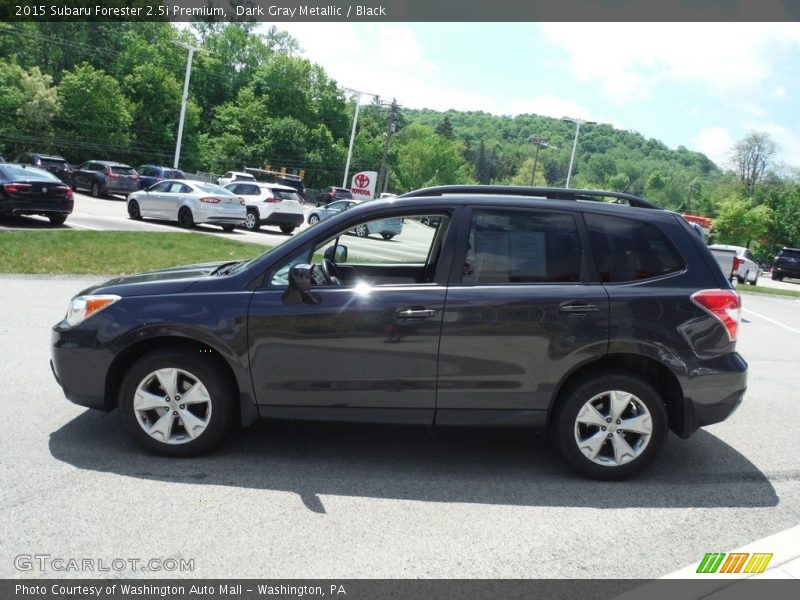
[[287, 228], [251, 221], [362, 230], [313, 220], [387, 236], [57, 219], [755, 280], [211, 412], [573, 432], [228, 228], [96, 190], [185, 218], [776, 277], [741, 279], [133, 210]]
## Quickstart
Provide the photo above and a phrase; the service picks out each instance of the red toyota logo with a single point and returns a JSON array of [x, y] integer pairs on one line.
[[362, 180]]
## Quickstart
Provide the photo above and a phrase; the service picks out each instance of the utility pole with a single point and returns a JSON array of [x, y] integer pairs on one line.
[[383, 175], [539, 142], [185, 98], [353, 132], [578, 123]]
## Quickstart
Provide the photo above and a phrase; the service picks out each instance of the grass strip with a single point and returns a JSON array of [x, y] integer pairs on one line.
[[113, 252], [757, 289]]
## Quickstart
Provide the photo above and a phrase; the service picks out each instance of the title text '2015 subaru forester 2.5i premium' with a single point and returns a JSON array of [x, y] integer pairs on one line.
[[607, 323]]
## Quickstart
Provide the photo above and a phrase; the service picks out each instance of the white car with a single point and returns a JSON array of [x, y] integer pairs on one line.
[[188, 202], [232, 176], [746, 270], [269, 204]]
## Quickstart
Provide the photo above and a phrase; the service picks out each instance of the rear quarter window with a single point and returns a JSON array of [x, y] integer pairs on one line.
[[630, 250]]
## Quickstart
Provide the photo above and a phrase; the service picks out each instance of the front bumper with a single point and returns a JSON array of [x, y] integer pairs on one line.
[[79, 369]]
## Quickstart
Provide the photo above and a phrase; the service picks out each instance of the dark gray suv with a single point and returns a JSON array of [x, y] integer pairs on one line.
[[594, 315]]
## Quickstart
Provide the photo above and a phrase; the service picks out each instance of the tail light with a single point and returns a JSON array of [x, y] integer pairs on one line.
[[737, 262], [68, 194], [723, 305], [271, 199], [109, 172], [210, 200], [14, 188]]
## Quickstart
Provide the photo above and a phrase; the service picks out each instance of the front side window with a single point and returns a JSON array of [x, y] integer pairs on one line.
[[161, 186], [522, 246], [630, 250]]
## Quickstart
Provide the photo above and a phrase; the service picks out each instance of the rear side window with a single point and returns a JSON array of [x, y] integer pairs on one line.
[[630, 250], [508, 246], [170, 174]]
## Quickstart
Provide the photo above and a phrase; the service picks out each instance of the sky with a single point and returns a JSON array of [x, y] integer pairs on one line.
[[700, 85]]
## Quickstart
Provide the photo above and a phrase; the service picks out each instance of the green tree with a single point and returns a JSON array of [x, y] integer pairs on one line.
[[28, 105], [424, 159], [739, 222]]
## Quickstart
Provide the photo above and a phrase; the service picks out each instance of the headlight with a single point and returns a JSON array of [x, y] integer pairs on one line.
[[83, 307]]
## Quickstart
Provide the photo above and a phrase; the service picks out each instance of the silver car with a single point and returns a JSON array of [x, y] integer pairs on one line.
[[387, 228], [188, 202]]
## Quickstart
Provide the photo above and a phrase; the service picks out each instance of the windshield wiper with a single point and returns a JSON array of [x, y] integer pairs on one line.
[[225, 268]]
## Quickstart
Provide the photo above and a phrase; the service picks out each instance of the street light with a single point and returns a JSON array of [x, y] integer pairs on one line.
[[353, 132], [578, 123], [539, 142], [191, 50]]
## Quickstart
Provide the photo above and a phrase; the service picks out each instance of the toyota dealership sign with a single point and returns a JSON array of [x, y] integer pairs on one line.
[[363, 185]]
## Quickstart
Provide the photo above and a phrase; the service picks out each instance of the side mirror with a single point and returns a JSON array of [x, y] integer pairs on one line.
[[336, 254]]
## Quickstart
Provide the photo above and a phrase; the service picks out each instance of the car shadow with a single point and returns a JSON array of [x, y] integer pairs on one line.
[[485, 466]]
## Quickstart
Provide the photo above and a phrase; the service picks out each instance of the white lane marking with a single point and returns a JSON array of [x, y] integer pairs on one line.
[[774, 322], [73, 224]]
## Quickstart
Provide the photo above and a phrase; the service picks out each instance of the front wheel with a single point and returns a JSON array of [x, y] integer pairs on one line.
[[313, 220], [362, 231], [776, 277], [133, 210], [185, 218], [251, 221], [610, 426], [287, 228], [175, 403], [755, 279], [95, 190]]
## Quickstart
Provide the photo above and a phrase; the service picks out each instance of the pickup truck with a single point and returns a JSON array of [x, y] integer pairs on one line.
[[727, 260]]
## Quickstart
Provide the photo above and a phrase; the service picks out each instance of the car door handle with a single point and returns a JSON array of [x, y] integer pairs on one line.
[[415, 312], [578, 307]]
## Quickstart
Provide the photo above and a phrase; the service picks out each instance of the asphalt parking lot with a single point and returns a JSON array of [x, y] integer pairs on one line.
[[305, 500]]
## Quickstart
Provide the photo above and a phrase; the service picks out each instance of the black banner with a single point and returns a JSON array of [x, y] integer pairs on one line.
[[400, 10]]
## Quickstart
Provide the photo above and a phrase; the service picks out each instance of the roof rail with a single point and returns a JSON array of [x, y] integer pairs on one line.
[[534, 192]]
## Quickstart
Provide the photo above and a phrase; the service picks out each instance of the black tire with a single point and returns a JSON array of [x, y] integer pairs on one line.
[[57, 219], [228, 228], [387, 236], [133, 210], [313, 220], [755, 280], [202, 368], [776, 277], [740, 279], [564, 426], [185, 218], [362, 230], [287, 228], [96, 190], [252, 221]]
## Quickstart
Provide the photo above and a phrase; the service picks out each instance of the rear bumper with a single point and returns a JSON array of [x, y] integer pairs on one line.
[[786, 272], [40, 207], [279, 218]]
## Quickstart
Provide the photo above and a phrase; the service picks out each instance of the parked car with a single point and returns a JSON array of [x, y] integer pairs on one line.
[[327, 211], [786, 264], [57, 165], [232, 176], [188, 202], [269, 204], [152, 174], [745, 267], [294, 182], [102, 177], [606, 324], [387, 228], [31, 191], [329, 194]]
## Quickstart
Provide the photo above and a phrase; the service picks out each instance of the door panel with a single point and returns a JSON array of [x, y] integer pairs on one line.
[[353, 349]]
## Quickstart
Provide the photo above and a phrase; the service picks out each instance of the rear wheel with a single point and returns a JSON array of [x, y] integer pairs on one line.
[[227, 228], [176, 403], [387, 236], [362, 231], [133, 210], [57, 219], [185, 218], [251, 221], [287, 228], [610, 426]]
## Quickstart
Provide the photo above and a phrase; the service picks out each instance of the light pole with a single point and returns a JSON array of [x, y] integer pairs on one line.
[[578, 123], [353, 132], [191, 50], [539, 142]]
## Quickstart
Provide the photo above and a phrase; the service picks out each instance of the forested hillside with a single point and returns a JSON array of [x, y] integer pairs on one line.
[[113, 91]]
